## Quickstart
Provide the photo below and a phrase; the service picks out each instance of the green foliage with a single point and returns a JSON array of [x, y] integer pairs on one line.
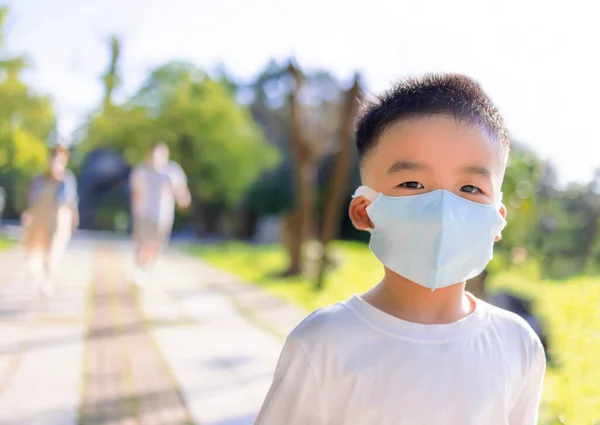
[[519, 189], [272, 194], [5, 243], [114, 206], [559, 228], [214, 138], [111, 78], [26, 122], [568, 231], [568, 309]]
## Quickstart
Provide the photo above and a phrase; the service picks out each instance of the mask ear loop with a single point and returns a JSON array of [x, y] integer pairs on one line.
[[368, 193], [500, 197], [498, 205]]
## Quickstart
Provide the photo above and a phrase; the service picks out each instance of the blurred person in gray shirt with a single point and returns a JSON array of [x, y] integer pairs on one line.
[[156, 187], [49, 219]]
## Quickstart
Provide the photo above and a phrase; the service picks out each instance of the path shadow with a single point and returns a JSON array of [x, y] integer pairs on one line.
[[261, 300], [185, 292], [121, 409], [228, 362], [109, 331], [113, 410]]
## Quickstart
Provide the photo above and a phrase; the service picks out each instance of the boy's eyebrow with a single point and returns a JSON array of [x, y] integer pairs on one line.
[[482, 171], [403, 165]]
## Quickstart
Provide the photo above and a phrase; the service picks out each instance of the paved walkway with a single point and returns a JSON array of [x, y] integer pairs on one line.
[[200, 348]]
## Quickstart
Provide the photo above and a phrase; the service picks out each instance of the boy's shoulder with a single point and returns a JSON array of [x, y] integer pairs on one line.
[[324, 324], [511, 326], [340, 325]]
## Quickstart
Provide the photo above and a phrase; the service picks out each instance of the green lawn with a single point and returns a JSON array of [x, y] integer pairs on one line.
[[5, 243], [570, 310]]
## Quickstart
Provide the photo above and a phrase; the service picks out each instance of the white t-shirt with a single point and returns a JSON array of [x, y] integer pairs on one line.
[[352, 364], [156, 189]]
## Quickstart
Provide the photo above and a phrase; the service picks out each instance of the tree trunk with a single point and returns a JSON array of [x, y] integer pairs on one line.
[[290, 241], [338, 182], [301, 221], [111, 77]]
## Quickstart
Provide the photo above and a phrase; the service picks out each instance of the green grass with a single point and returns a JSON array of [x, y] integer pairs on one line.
[[5, 243], [569, 309], [358, 270]]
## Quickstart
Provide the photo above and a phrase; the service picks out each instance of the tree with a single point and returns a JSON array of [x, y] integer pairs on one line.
[[560, 229], [308, 107], [213, 137], [268, 99], [300, 222], [577, 231], [111, 77], [26, 123], [521, 179], [338, 182]]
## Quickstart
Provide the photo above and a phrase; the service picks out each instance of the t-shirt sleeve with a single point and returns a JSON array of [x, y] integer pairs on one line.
[[293, 398], [525, 410]]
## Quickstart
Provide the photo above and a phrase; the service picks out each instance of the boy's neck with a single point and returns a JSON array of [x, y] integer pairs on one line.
[[402, 298]]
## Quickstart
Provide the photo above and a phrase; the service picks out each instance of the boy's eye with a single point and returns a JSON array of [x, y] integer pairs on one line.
[[412, 185], [469, 188]]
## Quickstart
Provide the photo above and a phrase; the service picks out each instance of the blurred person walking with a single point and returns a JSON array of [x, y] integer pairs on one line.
[[156, 187], [49, 219]]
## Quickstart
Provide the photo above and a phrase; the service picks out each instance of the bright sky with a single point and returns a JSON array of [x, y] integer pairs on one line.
[[538, 60]]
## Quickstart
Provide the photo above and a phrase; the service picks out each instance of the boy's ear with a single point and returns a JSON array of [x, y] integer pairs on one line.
[[502, 211], [358, 213]]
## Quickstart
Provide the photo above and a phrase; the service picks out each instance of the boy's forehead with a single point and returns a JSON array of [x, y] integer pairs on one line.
[[434, 141]]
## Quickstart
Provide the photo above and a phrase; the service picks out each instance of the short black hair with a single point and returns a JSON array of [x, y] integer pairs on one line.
[[432, 94]]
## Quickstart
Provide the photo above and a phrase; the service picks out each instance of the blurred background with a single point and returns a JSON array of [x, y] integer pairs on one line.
[[255, 101]]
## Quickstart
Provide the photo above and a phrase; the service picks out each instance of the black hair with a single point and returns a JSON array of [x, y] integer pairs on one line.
[[432, 94]]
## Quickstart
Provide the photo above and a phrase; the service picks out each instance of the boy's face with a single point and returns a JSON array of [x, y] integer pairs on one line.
[[425, 154]]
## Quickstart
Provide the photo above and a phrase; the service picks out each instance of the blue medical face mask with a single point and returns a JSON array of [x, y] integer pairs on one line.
[[434, 239]]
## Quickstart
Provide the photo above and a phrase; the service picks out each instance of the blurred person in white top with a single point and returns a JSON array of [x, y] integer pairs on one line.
[[156, 187], [417, 349]]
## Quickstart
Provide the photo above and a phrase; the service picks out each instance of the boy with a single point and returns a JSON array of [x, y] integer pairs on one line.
[[417, 349]]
